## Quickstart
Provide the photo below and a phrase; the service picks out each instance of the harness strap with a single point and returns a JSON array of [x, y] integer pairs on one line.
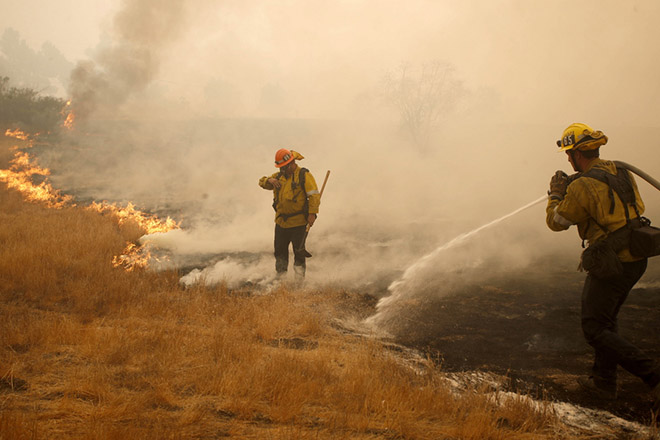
[[294, 185], [621, 184]]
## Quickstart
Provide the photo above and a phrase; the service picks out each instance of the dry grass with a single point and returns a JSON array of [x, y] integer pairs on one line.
[[91, 351]]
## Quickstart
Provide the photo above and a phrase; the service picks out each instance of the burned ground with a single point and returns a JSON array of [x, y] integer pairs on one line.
[[527, 328]]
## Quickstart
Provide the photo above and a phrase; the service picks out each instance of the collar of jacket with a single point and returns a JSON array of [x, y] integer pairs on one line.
[[606, 165]]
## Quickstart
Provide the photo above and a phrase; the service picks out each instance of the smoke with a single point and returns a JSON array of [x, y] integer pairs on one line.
[[186, 107], [142, 30], [233, 273], [45, 70]]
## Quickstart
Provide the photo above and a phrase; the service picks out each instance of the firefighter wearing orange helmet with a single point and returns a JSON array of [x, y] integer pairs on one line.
[[603, 202], [296, 201]]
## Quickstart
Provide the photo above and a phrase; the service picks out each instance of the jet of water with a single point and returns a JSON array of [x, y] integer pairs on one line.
[[411, 272]]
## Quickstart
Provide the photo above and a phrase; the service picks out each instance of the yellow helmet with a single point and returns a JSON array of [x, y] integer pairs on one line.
[[581, 137]]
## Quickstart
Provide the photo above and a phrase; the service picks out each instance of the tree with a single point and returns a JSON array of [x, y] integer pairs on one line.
[[421, 96], [24, 108]]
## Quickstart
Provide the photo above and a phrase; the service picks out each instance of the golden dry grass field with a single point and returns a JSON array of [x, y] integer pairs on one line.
[[92, 351]]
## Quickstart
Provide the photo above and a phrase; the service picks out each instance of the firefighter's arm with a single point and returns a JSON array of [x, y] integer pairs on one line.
[[553, 219], [561, 214], [313, 196], [266, 183]]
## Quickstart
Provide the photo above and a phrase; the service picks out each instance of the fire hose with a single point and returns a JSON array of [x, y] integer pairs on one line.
[[302, 244], [639, 172], [655, 183]]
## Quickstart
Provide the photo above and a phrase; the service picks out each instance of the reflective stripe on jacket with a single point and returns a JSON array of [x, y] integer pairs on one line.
[[587, 199], [289, 200]]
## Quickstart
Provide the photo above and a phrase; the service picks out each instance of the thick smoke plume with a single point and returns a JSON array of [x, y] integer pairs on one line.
[[142, 30]]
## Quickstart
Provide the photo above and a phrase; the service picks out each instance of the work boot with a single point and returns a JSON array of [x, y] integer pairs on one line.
[[589, 384], [299, 272], [278, 280]]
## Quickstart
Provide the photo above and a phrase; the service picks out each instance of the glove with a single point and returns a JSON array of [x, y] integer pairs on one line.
[[558, 185]]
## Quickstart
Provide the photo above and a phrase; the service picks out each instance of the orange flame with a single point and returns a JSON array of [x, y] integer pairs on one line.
[[150, 223], [135, 255], [19, 176], [70, 116], [18, 134]]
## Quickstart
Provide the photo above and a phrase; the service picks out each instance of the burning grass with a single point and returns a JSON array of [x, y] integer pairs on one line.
[[21, 174], [89, 350]]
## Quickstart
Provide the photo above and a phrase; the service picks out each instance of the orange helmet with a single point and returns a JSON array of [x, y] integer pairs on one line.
[[283, 157]]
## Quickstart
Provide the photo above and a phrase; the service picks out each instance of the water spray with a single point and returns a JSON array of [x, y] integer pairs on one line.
[[420, 264], [395, 287], [425, 259]]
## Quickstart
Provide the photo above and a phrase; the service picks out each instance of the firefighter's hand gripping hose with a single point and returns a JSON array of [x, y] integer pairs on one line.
[[558, 185]]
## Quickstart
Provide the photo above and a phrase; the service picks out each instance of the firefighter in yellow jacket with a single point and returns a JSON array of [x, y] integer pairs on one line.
[[296, 201], [601, 200]]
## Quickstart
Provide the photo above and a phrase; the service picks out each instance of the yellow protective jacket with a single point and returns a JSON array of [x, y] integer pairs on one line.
[[290, 197], [587, 199]]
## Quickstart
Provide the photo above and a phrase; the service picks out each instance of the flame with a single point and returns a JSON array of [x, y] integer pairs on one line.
[[18, 134], [19, 176], [149, 222], [70, 116], [135, 255]]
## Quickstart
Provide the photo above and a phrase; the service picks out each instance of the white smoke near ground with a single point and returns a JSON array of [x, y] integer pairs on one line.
[[185, 107], [233, 273]]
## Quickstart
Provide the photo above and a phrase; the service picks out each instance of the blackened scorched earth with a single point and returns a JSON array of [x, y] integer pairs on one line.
[[527, 327]]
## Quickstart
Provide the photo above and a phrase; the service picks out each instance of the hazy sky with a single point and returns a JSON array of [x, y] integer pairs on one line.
[[73, 26], [595, 60]]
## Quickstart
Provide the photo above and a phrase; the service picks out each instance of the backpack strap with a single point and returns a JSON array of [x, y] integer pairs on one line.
[[294, 185], [619, 184], [622, 186]]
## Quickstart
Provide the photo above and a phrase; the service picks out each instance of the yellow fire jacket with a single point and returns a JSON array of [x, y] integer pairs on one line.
[[587, 199], [290, 197]]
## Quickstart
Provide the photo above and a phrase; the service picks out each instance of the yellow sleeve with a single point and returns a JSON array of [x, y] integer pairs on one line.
[[263, 182], [313, 196], [560, 215], [550, 216]]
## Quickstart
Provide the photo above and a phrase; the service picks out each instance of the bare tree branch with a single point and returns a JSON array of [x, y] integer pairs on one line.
[[421, 97]]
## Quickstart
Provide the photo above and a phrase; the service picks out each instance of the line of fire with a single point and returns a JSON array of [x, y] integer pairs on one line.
[[24, 171]]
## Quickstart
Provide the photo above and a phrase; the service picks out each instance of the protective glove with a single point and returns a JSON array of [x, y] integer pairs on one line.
[[558, 185]]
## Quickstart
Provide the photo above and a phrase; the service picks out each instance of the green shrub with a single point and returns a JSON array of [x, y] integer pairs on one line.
[[24, 108]]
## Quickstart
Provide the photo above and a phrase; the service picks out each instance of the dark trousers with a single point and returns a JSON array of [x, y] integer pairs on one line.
[[602, 299], [284, 236]]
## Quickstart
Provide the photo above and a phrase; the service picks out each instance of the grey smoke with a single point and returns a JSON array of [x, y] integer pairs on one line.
[[142, 30], [45, 70]]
